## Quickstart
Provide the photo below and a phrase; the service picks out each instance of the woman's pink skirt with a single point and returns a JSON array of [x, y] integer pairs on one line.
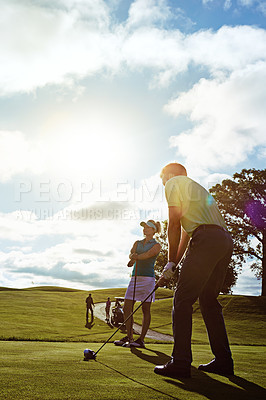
[[144, 286]]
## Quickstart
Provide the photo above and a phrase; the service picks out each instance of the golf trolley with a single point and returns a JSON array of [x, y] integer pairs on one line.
[[117, 316]]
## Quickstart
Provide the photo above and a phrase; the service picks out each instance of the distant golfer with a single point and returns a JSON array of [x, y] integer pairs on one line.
[[143, 256], [89, 302], [107, 309], [194, 217]]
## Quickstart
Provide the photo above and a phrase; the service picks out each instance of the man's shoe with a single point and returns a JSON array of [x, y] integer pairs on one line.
[[171, 370], [220, 368]]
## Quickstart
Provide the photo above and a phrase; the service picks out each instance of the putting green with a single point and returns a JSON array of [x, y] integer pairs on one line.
[[41, 370]]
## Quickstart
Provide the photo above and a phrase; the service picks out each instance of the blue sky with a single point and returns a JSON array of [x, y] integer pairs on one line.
[[95, 98]]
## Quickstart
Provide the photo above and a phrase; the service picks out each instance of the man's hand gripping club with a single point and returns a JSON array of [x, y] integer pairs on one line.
[[168, 272]]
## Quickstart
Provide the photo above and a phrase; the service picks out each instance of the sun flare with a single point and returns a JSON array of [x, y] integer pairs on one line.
[[95, 146]]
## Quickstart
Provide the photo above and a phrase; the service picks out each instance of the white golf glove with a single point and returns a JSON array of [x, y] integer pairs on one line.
[[169, 270]]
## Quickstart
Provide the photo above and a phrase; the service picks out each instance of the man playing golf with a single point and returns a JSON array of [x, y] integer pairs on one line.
[[194, 219]]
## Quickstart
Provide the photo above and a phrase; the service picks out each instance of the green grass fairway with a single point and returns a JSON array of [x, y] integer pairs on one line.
[[38, 370], [58, 314], [43, 338], [53, 314], [244, 317]]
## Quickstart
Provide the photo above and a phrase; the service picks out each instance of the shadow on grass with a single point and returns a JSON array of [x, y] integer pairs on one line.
[[213, 389], [89, 325], [161, 326], [138, 382], [158, 358]]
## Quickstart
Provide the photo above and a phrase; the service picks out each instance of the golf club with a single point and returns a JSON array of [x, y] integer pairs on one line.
[[90, 354], [134, 291]]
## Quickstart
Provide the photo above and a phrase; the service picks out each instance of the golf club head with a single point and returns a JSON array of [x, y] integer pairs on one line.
[[89, 355]]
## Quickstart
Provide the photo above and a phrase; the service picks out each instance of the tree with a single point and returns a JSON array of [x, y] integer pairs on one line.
[[241, 200], [162, 259]]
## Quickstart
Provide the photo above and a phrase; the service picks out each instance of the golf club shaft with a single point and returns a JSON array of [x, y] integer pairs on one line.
[[135, 282], [133, 312], [134, 292]]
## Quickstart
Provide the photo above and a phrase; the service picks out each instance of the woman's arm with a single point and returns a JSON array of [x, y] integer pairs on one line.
[[154, 251], [131, 255], [133, 250]]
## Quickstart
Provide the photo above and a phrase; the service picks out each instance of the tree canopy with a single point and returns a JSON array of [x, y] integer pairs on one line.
[[241, 200]]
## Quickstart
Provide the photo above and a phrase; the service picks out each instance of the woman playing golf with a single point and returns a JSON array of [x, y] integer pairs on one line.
[[142, 256]]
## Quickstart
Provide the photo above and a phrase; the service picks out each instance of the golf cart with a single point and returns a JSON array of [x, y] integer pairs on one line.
[[117, 316]]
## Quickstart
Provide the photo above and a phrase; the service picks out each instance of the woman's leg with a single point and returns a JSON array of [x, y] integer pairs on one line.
[[128, 308], [146, 320]]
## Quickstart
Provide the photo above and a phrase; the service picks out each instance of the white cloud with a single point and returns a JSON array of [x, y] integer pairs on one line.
[[71, 147], [66, 41], [18, 155], [64, 266], [94, 13], [89, 243], [262, 152], [213, 179], [88, 251], [228, 49], [148, 12], [206, 1], [227, 4], [247, 283], [45, 45], [159, 50], [246, 3], [60, 263], [228, 117], [262, 7]]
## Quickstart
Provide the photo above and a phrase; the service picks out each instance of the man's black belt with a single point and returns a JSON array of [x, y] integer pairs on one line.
[[208, 226]]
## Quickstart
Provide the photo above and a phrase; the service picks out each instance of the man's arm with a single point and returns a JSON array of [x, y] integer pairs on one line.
[[182, 245], [173, 232], [177, 237], [177, 242]]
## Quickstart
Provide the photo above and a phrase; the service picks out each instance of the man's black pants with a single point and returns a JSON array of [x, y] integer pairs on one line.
[[202, 276]]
